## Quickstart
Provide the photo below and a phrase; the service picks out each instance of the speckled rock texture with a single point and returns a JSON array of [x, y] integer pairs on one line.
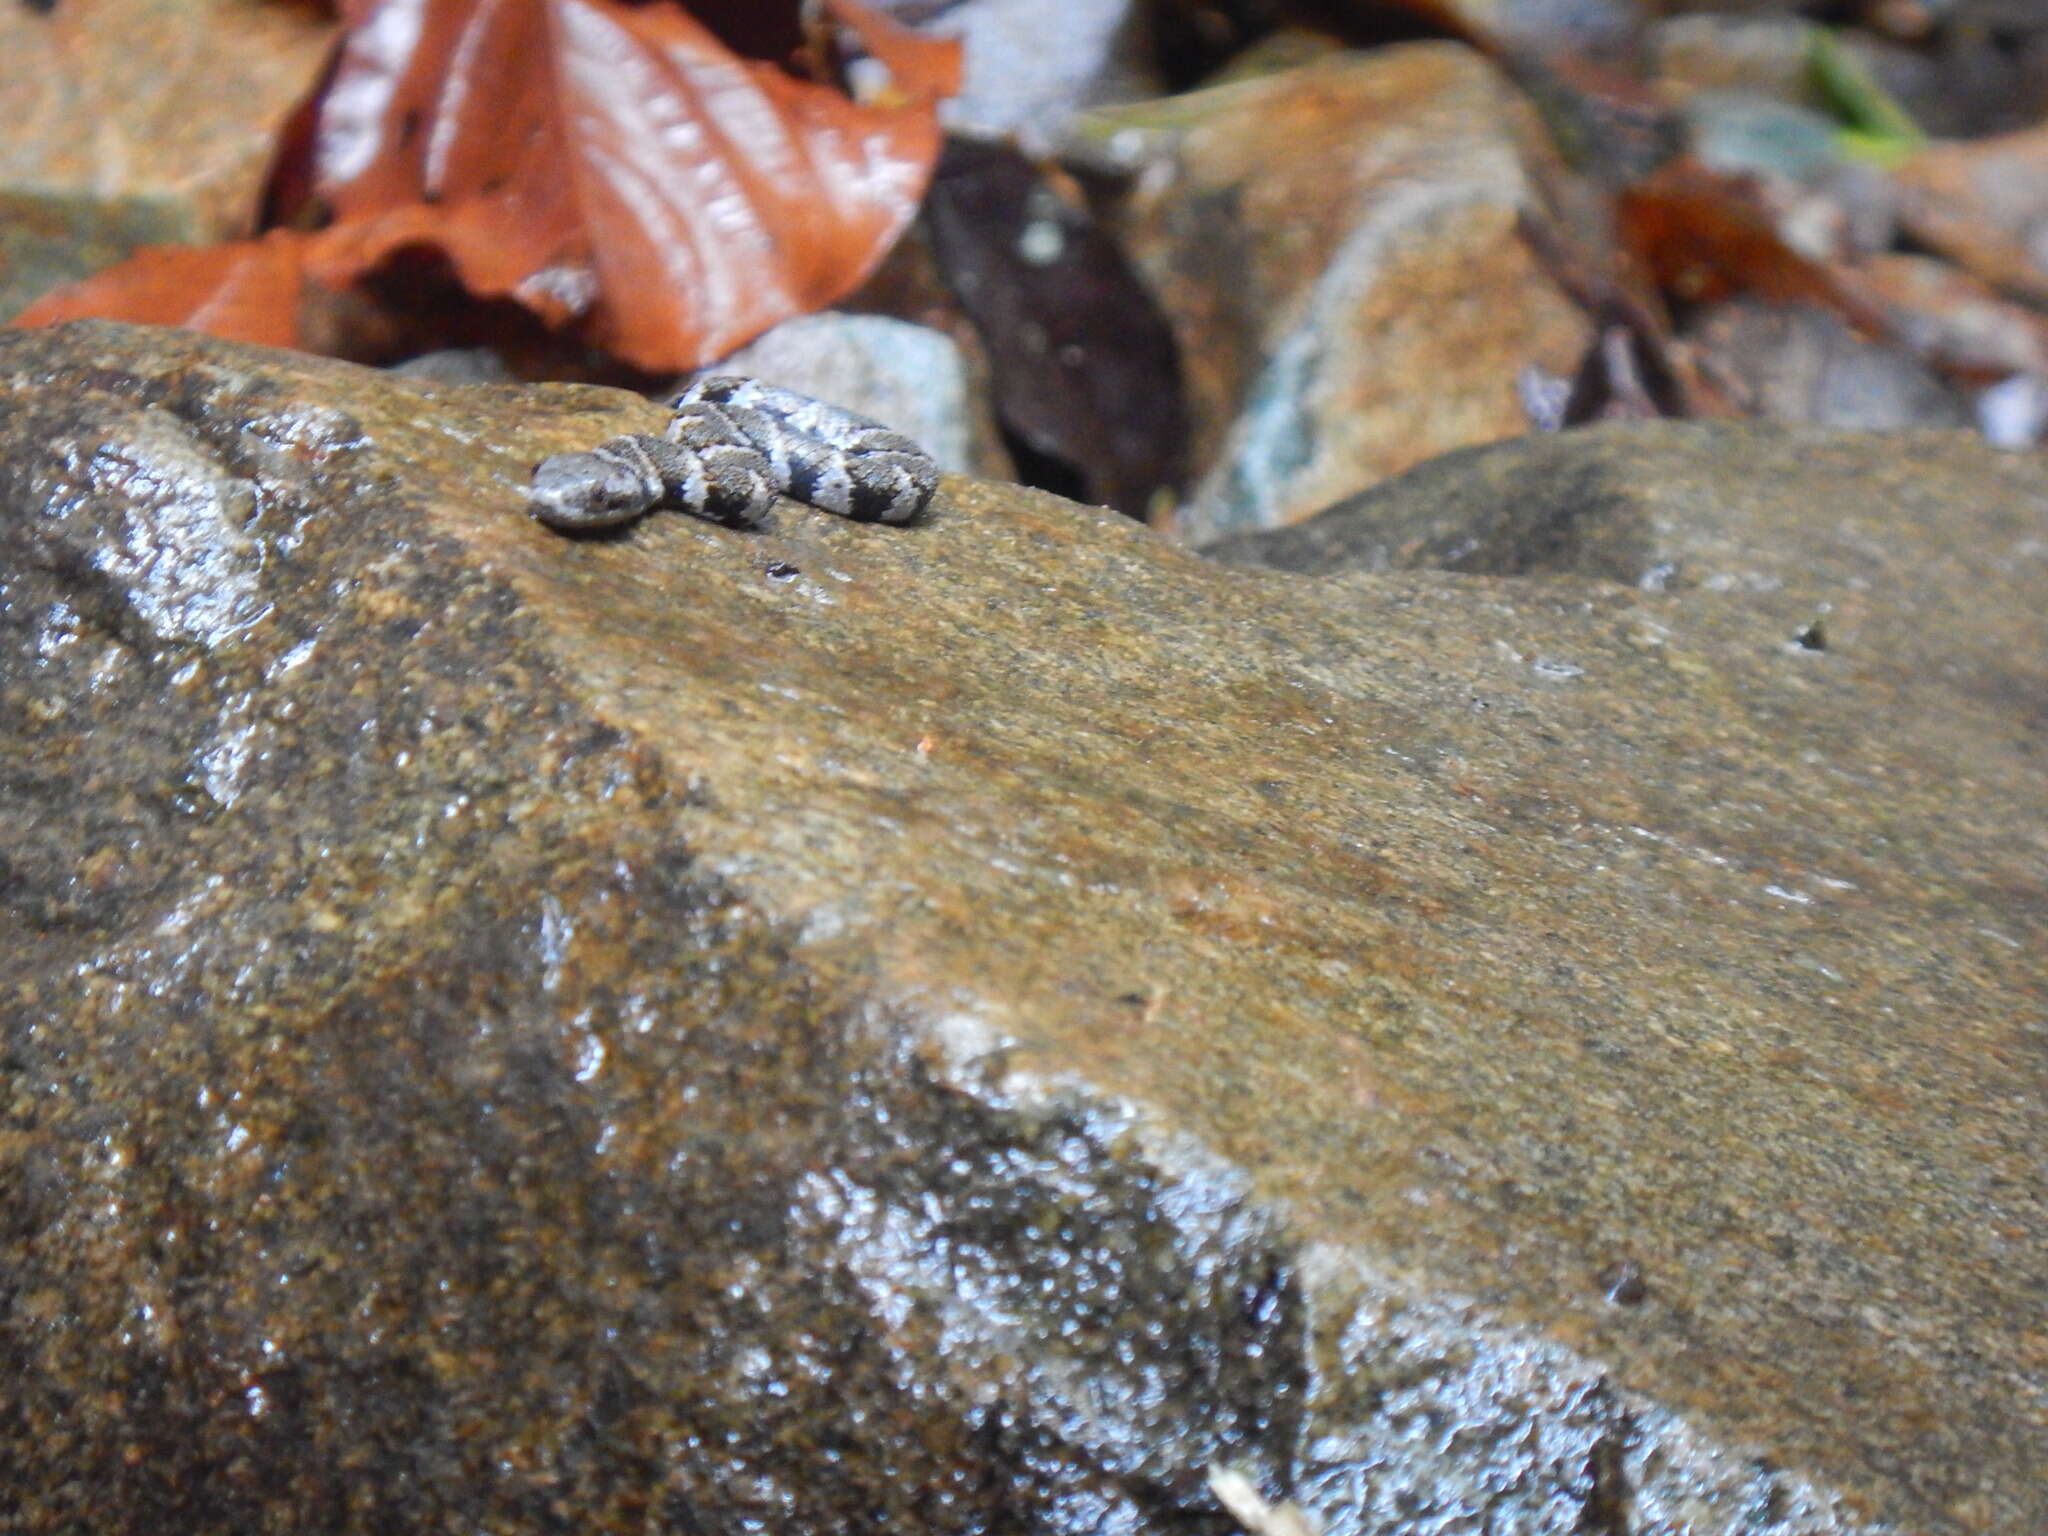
[[957, 1028]]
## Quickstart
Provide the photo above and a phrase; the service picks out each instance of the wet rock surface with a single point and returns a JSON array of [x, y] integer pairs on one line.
[[959, 1027], [1848, 520]]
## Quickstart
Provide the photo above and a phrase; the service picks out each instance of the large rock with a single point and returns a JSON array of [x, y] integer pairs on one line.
[[1843, 521], [138, 122], [1339, 249], [956, 1028], [1023, 79]]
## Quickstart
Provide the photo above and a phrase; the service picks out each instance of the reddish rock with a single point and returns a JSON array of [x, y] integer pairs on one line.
[[1337, 247], [138, 122]]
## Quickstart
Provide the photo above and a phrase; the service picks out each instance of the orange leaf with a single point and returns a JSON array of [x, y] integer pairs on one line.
[[247, 290], [923, 67], [598, 162], [1702, 236], [615, 163]]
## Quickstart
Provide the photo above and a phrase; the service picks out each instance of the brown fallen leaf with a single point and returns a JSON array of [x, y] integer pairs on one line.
[[1631, 370], [1086, 370], [1955, 321], [1984, 204], [1704, 236], [1626, 376], [247, 290], [602, 164]]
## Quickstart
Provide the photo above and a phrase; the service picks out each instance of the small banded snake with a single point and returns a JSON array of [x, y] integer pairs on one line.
[[731, 447]]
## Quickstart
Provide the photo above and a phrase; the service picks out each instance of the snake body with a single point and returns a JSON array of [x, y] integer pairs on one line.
[[732, 445]]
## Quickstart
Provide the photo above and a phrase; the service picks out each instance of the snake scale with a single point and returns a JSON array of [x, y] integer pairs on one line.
[[731, 447]]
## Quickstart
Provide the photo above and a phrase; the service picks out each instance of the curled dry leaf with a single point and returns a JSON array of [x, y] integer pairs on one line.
[[246, 290], [1704, 236], [1983, 204], [599, 163]]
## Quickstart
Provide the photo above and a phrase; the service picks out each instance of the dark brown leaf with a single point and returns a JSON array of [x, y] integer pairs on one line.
[[1086, 372], [1625, 377]]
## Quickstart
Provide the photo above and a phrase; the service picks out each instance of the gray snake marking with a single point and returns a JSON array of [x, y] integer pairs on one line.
[[731, 447]]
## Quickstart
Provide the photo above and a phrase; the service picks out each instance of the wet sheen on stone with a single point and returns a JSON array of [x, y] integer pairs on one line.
[[958, 1028]]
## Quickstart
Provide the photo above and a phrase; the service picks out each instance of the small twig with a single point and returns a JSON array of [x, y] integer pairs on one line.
[[1236, 1493]]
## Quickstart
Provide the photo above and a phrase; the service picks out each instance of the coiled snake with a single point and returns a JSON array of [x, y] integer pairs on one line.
[[731, 447]]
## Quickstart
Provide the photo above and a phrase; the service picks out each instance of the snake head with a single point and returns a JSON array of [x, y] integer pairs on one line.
[[596, 489]]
